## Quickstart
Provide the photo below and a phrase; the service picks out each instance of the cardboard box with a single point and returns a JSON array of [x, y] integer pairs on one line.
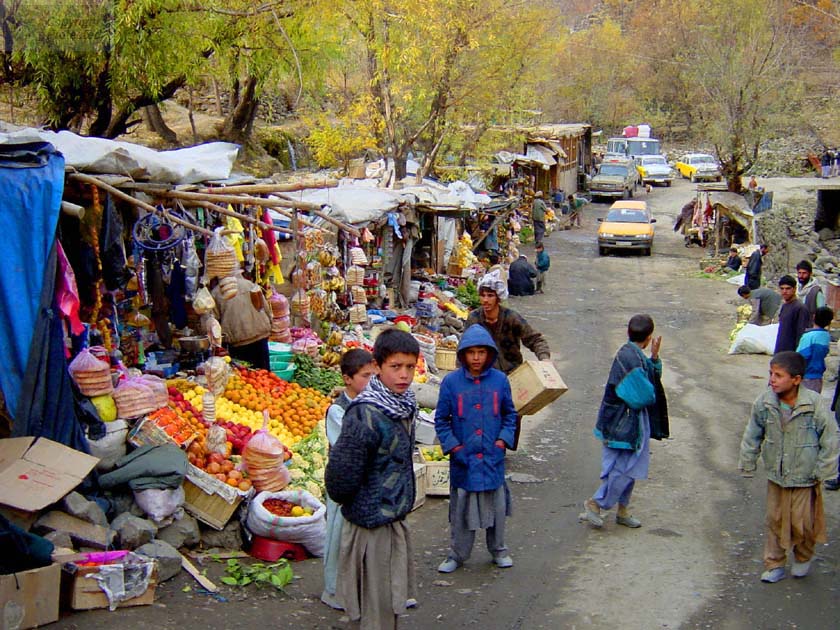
[[534, 385], [82, 592], [30, 598], [37, 472], [437, 477]]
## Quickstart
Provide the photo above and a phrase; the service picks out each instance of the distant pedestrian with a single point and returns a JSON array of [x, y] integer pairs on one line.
[[825, 163], [753, 185], [797, 439], [475, 421], [793, 316], [538, 211], [521, 277], [632, 411], [543, 264], [752, 275], [575, 205], [734, 261], [808, 290], [814, 346], [765, 304]]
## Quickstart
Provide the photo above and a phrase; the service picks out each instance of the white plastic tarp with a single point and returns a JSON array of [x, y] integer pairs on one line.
[[204, 162], [352, 204]]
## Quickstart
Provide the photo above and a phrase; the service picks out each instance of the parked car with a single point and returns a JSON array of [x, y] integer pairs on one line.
[[654, 169], [698, 167], [628, 225], [616, 177]]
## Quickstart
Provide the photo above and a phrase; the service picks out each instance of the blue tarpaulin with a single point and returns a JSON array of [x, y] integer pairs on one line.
[[31, 185]]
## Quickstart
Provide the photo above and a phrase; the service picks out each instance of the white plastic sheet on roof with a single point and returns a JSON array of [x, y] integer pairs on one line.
[[204, 162]]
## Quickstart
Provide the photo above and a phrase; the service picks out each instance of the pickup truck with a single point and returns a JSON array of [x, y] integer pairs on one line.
[[615, 178]]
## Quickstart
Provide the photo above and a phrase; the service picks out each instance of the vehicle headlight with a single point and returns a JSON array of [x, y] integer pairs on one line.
[[606, 235], [643, 236]]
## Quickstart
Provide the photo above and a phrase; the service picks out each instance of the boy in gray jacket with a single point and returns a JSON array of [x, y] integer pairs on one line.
[[797, 438]]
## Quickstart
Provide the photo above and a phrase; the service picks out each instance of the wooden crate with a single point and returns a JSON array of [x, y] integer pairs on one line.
[[211, 509], [446, 359], [437, 478], [419, 485], [83, 593], [534, 385], [456, 271]]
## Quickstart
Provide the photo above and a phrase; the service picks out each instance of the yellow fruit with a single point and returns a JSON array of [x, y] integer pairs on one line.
[[298, 511]]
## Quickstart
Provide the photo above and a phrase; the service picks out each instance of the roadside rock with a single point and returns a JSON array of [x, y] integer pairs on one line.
[[59, 539], [228, 538], [76, 505], [168, 558], [132, 531], [182, 533]]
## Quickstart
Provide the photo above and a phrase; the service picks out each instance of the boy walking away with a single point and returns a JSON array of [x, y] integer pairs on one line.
[[371, 475], [814, 346], [797, 439], [632, 411], [794, 318], [475, 421], [543, 264], [357, 367]]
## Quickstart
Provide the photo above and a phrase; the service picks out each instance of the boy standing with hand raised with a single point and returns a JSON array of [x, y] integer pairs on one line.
[[797, 439], [370, 473]]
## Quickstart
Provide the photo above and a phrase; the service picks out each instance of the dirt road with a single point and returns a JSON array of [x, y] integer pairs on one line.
[[695, 562]]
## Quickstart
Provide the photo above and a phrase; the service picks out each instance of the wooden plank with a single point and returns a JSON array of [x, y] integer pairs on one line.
[[190, 568]]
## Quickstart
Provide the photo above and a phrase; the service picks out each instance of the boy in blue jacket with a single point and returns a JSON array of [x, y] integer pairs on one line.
[[475, 421], [543, 265], [814, 345], [625, 423]]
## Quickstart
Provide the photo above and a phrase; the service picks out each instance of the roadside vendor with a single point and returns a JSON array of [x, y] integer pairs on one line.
[[507, 327], [246, 322]]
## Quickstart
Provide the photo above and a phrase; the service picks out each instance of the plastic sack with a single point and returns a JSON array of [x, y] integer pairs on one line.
[[217, 440], [428, 349], [309, 531], [111, 447], [161, 505], [203, 301], [213, 329], [158, 387], [752, 339], [263, 458], [92, 376]]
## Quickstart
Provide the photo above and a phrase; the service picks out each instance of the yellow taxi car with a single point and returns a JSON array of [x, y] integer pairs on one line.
[[628, 225], [698, 167]]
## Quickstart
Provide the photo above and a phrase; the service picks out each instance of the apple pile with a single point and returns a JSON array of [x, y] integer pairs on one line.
[[237, 434], [218, 466]]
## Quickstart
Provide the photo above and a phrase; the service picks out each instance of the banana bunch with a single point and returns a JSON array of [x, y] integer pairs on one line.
[[331, 358], [434, 454], [335, 339], [458, 312], [335, 283], [327, 257]]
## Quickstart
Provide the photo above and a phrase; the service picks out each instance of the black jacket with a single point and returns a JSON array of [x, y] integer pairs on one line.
[[521, 277]]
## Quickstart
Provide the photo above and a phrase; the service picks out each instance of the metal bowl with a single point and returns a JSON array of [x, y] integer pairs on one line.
[[194, 344]]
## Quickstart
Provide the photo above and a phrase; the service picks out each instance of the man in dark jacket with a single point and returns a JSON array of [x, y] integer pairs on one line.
[[521, 277], [752, 278], [538, 216], [793, 317]]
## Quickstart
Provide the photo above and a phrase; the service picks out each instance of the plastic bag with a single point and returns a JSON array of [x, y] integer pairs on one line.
[[158, 387], [203, 301], [220, 258], [161, 505], [309, 531], [92, 376], [217, 372], [213, 329], [217, 440], [111, 447], [135, 397], [264, 460]]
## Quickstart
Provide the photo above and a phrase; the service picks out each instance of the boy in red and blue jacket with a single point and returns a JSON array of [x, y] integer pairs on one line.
[[475, 421]]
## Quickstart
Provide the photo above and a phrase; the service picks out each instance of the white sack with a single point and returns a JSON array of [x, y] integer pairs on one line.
[[752, 339], [309, 531]]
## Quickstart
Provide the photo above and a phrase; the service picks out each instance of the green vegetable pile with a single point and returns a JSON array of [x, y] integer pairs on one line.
[[467, 293], [278, 574], [308, 374]]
